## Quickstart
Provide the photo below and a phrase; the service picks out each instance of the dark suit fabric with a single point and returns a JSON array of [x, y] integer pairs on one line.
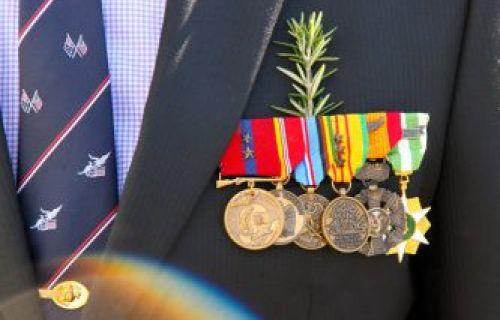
[[217, 64]]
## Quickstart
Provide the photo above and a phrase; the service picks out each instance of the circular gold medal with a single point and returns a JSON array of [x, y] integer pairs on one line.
[[254, 219], [345, 224], [311, 237], [294, 215]]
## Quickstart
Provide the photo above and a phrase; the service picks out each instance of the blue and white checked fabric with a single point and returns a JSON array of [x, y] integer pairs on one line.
[[9, 76], [133, 29]]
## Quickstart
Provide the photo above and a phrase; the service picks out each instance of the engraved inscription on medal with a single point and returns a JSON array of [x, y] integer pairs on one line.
[[345, 224]]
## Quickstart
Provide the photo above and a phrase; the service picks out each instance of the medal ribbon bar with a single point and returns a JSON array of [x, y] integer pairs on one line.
[[270, 147], [406, 157], [310, 171], [345, 145], [384, 134]]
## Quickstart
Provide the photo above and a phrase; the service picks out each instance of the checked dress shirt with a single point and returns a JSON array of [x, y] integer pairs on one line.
[[133, 30]]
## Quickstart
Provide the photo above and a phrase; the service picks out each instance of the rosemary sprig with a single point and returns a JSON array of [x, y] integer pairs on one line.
[[308, 53]]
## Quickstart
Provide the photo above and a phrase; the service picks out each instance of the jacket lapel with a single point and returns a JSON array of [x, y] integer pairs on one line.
[[209, 56], [18, 298]]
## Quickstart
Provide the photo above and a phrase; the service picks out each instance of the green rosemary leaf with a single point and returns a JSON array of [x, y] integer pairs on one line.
[[317, 78], [308, 52], [319, 92], [300, 70], [285, 54], [296, 60], [329, 73], [286, 44], [287, 111], [299, 89], [296, 105], [330, 107], [290, 74], [321, 104], [328, 59]]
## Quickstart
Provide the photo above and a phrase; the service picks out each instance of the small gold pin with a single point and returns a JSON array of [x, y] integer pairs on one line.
[[69, 295]]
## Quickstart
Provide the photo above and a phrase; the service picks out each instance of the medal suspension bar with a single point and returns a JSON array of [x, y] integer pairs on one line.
[[221, 183]]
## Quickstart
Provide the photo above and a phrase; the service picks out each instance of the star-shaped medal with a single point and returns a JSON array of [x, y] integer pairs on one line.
[[417, 225]]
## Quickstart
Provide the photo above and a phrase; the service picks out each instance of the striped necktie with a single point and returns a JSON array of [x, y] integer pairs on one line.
[[67, 168]]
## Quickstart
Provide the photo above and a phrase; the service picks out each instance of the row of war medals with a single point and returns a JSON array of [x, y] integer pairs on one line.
[[372, 222]]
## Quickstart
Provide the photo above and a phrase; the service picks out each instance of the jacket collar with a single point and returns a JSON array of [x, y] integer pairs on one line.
[[18, 299], [209, 56]]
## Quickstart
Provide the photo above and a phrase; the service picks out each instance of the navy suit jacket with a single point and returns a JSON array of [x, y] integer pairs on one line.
[[216, 64]]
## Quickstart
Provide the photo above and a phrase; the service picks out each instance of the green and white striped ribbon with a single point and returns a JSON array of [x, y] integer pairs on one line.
[[408, 153]]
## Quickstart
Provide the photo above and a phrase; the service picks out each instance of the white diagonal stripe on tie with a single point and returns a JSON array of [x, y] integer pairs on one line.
[[23, 32]]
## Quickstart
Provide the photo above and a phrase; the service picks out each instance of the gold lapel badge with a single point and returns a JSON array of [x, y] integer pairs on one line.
[[69, 295]]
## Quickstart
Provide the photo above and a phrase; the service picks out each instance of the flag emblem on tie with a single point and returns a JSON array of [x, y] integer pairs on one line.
[[28, 104], [47, 219], [72, 49], [95, 167]]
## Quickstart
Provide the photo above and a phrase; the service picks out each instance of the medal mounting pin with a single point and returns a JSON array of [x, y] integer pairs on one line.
[[222, 183]]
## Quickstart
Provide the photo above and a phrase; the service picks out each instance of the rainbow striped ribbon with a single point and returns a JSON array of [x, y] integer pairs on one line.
[[310, 171], [345, 144], [406, 157]]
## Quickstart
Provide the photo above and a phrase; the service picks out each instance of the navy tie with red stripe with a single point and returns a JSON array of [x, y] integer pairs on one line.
[[67, 169]]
